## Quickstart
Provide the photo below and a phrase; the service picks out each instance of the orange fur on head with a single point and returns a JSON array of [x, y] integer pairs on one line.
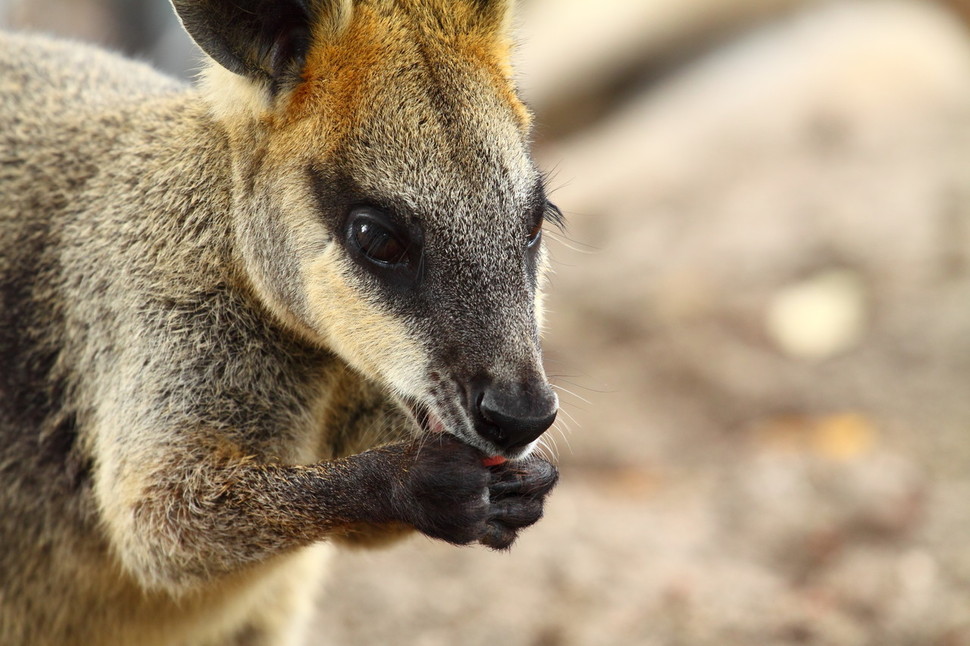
[[346, 65]]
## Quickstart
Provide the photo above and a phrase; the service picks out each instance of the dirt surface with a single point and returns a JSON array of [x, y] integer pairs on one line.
[[759, 326]]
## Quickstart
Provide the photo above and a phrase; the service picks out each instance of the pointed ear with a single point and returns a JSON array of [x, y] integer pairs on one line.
[[263, 40]]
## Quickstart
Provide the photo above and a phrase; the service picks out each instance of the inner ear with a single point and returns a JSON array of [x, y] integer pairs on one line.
[[263, 40]]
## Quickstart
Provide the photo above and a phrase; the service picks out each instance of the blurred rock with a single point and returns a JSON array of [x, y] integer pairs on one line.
[[819, 317], [617, 47], [89, 20], [835, 138], [146, 30]]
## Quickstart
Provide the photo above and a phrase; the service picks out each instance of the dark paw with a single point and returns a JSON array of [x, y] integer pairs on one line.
[[445, 490], [517, 492], [447, 493]]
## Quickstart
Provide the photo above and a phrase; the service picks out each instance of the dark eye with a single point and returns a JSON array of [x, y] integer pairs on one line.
[[534, 235], [371, 233]]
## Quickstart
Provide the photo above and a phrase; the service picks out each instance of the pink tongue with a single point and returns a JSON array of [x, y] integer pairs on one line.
[[495, 460]]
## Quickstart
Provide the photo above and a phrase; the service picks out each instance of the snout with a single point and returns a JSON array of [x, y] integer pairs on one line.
[[512, 415]]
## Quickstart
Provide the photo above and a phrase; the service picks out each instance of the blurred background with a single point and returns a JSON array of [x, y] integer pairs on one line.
[[759, 325]]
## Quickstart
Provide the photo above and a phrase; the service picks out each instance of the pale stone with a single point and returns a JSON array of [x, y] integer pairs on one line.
[[820, 317]]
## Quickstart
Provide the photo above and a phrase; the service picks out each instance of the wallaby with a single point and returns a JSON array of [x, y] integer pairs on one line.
[[296, 305]]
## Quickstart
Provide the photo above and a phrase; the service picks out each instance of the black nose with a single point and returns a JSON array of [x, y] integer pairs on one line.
[[512, 416]]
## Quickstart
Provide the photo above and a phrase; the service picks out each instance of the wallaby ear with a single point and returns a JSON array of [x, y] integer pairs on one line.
[[263, 40]]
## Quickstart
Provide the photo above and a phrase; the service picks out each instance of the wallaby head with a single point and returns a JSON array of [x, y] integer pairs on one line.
[[385, 201]]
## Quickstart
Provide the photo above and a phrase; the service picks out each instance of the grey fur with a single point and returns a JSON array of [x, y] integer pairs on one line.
[[199, 383]]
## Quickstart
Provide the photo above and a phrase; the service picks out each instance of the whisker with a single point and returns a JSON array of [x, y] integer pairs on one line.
[[547, 448], [548, 176], [572, 394], [545, 454], [570, 416], [541, 449], [573, 245], [568, 379], [564, 437]]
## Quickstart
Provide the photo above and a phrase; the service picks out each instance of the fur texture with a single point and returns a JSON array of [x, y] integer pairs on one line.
[[204, 374]]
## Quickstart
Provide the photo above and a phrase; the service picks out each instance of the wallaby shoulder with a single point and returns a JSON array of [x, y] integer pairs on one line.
[[62, 77], [118, 291]]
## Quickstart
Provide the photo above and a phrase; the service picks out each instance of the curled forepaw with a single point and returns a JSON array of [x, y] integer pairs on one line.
[[517, 492]]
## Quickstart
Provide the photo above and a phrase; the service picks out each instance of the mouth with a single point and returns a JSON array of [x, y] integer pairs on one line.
[[424, 418], [428, 422]]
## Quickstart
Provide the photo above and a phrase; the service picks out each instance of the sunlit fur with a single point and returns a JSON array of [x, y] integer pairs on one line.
[[181, 322]]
